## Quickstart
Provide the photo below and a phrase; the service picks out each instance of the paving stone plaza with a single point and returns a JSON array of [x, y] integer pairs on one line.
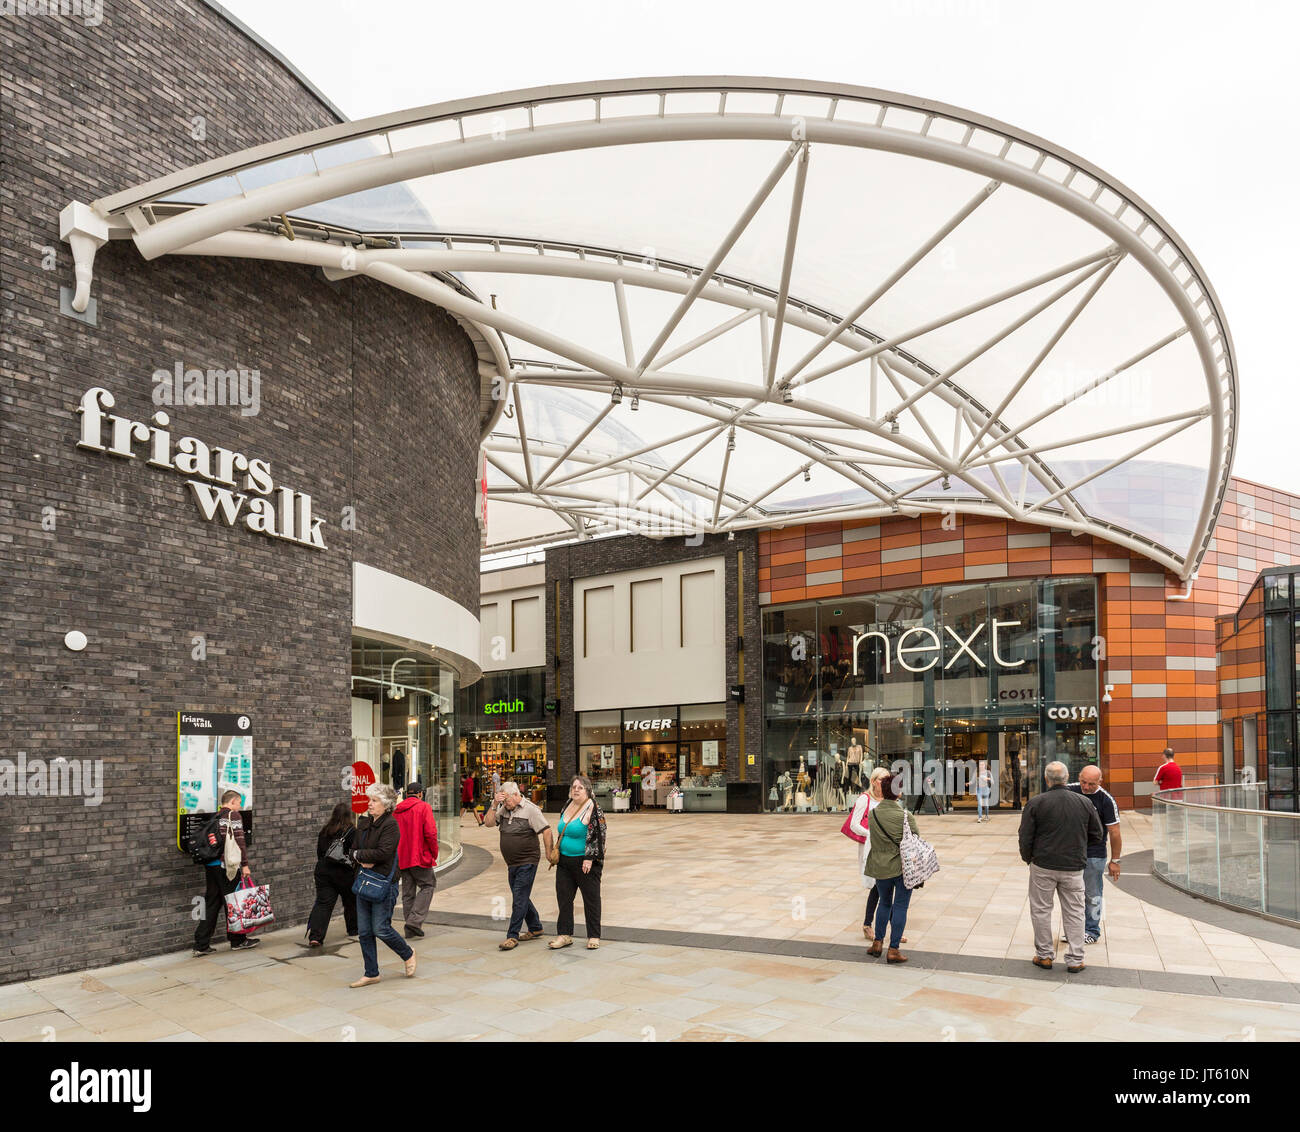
[[758, 937]]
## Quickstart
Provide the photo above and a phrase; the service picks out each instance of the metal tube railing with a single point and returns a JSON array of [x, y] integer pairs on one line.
[[1246, 857]]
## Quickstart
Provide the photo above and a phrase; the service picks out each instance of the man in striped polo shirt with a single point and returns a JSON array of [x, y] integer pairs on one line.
[[1089, 785]]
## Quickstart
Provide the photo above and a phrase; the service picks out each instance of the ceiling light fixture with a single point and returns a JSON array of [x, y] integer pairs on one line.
[[616, 398], [636, 400]]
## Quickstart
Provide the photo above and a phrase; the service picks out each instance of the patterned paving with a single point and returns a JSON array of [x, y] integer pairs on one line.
[[794, 877], [755, 887]]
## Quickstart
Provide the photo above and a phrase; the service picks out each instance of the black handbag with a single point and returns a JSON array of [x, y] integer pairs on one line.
[[369, 885], [337, 853]]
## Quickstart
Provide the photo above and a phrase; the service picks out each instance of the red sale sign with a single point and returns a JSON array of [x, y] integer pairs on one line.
[[362, 778]]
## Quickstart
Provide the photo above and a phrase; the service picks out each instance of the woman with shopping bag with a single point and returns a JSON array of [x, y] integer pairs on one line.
[[888, 824], [856, 829], [375, 852], [220, 874]]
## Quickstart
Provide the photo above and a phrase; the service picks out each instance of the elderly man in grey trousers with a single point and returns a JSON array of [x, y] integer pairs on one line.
[[1054, 834]]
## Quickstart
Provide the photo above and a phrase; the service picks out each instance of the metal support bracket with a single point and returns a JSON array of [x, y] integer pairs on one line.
[[86, 231]]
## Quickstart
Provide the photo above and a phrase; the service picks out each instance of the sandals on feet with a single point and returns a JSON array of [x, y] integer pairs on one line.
[[592, 944], [508, 945], [559, 942]]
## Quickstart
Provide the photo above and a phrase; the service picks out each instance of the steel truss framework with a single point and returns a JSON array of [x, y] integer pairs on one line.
[[596, 493]]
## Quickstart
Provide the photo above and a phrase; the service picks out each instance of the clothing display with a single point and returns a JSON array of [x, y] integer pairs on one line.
[[786, 785]]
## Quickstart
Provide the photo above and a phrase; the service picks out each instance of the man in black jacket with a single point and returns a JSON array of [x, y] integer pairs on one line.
[[1055, 828]]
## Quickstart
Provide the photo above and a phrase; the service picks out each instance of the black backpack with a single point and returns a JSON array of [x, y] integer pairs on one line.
[[208, 844]]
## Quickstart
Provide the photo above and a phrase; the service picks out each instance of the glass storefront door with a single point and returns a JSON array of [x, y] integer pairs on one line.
[[1010, 750], [663, 757]]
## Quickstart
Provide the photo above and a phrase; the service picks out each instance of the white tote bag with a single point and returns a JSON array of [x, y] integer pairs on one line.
[[231, 856], [920, 861]]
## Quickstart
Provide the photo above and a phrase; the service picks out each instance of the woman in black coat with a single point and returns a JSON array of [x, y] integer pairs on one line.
[[375, 851], [334, 876]]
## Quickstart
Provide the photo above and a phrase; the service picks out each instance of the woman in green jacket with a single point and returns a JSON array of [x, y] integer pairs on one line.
[[885, 863]]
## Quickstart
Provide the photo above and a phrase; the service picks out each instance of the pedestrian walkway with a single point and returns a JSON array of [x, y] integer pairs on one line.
[[721, 928], [793, 877], [467, 990]]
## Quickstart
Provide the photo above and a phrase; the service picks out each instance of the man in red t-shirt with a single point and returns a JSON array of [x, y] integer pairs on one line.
[[1170, 774]]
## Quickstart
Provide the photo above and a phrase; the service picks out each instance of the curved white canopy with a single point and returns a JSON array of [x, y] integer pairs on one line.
[[706, 304]]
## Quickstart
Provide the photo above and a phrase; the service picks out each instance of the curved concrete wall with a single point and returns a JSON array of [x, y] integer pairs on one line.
[[367, 402]]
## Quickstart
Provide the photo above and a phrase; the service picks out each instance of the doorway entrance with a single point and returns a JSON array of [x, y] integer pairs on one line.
[[1011, 751], [666, 760]]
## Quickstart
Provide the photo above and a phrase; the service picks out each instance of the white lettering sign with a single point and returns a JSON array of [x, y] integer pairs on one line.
[[903, 650], [1075, 712], [648, 725], [278, 512]]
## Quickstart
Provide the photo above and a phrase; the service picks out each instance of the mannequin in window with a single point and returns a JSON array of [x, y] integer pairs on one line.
[[803, 781], [787, 789], [853, 765]]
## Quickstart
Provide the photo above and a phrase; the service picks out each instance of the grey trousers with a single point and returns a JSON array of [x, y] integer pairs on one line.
[[417, 895], [1068, 886]]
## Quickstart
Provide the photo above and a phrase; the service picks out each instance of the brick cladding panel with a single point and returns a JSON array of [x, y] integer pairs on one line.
[[1164, 650], [87, 111]]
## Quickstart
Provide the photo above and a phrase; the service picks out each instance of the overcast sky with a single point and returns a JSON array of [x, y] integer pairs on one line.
[[1193, 105]]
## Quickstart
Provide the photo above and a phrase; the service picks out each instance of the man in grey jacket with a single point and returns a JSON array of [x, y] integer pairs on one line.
[[1055, 828]]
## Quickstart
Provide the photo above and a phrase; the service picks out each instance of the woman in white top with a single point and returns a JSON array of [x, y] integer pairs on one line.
[[858, 823]]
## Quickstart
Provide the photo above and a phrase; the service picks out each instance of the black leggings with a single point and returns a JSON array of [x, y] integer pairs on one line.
[[569, 879], [872, 901]]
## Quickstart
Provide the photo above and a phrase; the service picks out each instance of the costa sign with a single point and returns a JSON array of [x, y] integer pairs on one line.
[[1074, 712], [921, 640], [263, 507]]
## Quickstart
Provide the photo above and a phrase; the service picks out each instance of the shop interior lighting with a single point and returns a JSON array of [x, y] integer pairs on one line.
[[616, 398]]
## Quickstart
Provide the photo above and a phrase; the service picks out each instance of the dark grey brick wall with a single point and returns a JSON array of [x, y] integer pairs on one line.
[[633, 552], [369, 398]]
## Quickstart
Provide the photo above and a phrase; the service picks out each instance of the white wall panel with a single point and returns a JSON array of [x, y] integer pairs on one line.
[[648, 637]]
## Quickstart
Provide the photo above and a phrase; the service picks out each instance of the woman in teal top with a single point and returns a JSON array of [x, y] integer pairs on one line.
[[579, 859], [573, 837]]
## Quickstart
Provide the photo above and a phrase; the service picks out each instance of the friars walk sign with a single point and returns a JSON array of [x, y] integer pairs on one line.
[[224, 483]]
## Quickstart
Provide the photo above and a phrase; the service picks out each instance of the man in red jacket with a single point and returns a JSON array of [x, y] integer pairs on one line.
[[417, 854]]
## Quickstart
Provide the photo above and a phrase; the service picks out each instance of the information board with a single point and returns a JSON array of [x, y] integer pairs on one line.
[[214, 753]]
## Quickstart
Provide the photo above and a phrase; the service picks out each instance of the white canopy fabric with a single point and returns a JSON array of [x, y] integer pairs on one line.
[[709, 304]]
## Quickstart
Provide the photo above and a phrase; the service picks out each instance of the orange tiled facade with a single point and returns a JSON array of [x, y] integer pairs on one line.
[[1160, 653]]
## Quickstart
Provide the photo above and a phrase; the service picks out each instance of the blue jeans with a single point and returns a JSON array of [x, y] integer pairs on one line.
[[375, 921], [892, 909], [981, 803], [1094, 877], [521, 891]]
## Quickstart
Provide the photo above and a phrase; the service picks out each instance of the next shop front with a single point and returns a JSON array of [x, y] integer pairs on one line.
[[949, 681]]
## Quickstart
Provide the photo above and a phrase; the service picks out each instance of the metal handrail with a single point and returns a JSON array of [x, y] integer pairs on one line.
[[1160, 794]]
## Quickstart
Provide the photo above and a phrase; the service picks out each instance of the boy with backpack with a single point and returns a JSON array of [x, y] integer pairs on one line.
[[220, 848]]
